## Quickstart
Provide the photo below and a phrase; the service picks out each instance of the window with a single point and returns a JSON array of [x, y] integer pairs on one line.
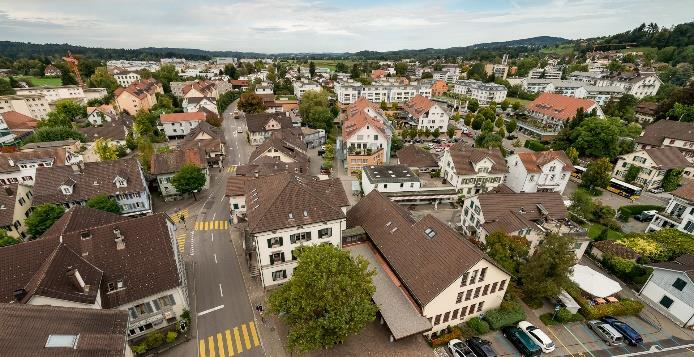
[[454, 316], [325, 232], [279, 275], [483, 273], [468, 295], [471, 310], [666, 302], [463, 311], [473, 277], [437, 319], [446, 316], [165, 301], [479, 306], [477, 292], [300, 237], [485, 290], [140, 309], [277, 257], [679, 284], [463, 282], [502, 284], [459, 298], [274, 242], [493, 288]]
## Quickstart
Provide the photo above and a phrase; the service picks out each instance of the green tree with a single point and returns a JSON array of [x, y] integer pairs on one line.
[[547, 270], [455, 117], [230, 70], [42, 218], [226, 99], [327, 299], [6, 88], [251, 103], [436, 133], [450, 132], [597, 174], [511, 126], [477, 122], [67, 78], [469, 117], [105, 149], [487, 126], [384, 105], [189, 179], [65, 113], [341, 67], [615, 66], [671, 179], [311, 69], [6, 240], [396, 144], [102, 79], [516, 105], [104, 203], [505, 104], [597, 137], [682, 112], [508, 251], [145, 123], [477, 72], [166, 74], [499, 122], [572, 153], [401, 68], [394, 106], [632, 173], [582, 204], [145, 151], [473, 105], [54, 133]]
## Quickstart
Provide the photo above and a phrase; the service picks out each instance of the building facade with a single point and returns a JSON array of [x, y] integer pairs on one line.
[[543, 171], [473, 171]]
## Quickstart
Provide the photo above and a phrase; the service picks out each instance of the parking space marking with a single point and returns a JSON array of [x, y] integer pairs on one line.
[[560, 341], [591, 339], [579, 341], [506, 344]]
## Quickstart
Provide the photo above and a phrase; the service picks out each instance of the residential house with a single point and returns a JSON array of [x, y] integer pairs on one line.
[[637, 84], [114, 132], [425, 269], [529, 215], [390, 92], [549, 112], [165, 165], [52, 71], [471, 170], [19, 125], [484, 93], [389, 178], [122, 180], [571, 88], [283, 151], [417, 159], [53, 94], [239, 84], [679, 212], [645, 112], [20, 167], [439, 88], [313, 137], [670, 290], [652, 164], [427, 114], [126, 78], [210, 140], [94, 93], [93, 259], [178, 125], [197, 104], [366, 135], [33, 330], [260, 126], [669, 133], [236, 191], [138, 96], [6, 135], [98, 115], [377, 74], [543, 171], [200, 89], [15, 204], [549, 72], [288, 211], [265, 88], [35, 106], [499, 70]]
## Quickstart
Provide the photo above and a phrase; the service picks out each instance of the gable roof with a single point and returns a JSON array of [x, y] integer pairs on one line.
[[685, 191], [266, 166], [215, 142], [464, 158], [289, 200], [139, 89], [530, 205], [655, 133], [112, 131], [179, 117], [172, 161], [236, 185], [535, 160], [27, 328], [668, 158], [558, 106], [426, 266], [19, 123], [359, 120], [49, 179], [414, 156], [8, 198], [146, 266], [9, 162], [275, 142], [418, 105], [256, 122], [683, 263]]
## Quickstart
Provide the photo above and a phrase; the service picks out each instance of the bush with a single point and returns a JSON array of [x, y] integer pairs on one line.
[[535, 145], [623, 307], [632, 210], [154, 340], [442, 340], [509, 313], [561, 317], [626, 269], [478, 325], [171, 336], [141, 348]]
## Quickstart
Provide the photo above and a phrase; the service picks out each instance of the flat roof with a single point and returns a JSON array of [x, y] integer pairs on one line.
[[399, 312], [390, 173]]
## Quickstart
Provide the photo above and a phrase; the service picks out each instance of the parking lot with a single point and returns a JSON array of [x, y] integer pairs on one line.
[[576, 339]]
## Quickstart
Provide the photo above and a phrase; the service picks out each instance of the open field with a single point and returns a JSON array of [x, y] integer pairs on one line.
[[561, 50], [522, 101], [331, 63], [40, 81]]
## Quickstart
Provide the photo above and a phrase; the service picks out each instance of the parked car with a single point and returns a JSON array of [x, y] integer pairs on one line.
[[645, 216], [606, 332], [236, 114], [459, 349], [239, 130], [521, 341], [630, 335], [482, 348], [539, 337], [656, 190]]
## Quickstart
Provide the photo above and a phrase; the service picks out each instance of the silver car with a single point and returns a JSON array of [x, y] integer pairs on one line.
[[606, 332]]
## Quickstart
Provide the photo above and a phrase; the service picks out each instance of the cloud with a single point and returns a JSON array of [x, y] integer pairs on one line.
[[322, 26]]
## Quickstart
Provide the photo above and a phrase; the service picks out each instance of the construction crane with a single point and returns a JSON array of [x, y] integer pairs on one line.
[[72, 62]]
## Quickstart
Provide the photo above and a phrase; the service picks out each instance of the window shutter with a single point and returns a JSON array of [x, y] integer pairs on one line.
[[284, 274], [148, 307], [292, 238], [308, 236], [281, 241], [156, 305], [282, 257], [133, 314], [269, 243], [172, 300], [272, 260]]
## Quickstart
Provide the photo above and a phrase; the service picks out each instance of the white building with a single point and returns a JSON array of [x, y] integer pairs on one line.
[[347, 93], [573, 88], [34, 105], [127, 78], [303, 86], [548, 72], [366, 131], [103, 113], [543, 171], [20, 167], [195, 104], [473, 171], [177, 125], [53, 94], [277, 226], [679, 212], [671, 133], [550, 112], [652, 165], [484, 93], [638, 85], [427, 114], [389, 178], [670, 290]]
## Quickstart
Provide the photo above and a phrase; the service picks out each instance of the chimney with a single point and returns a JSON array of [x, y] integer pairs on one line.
[[120, 242], [255, 173], [76, 279], [19, 294], [8, 191]]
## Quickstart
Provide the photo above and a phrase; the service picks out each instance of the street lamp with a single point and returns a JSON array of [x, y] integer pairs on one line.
[[194, 192]]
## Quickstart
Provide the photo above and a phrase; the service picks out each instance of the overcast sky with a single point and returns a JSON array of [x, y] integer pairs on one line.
[[322, 26]]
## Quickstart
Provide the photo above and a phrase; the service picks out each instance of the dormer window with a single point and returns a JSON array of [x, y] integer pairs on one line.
[[121, 182], [67, 190]]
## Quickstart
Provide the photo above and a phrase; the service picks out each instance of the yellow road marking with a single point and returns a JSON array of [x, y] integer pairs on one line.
[[202, 349], [254, 334], [239, 348], [210, 340], [217, 224], [560, 341], [197, 226], [207, 225], [226, 224], [220, 345], [245, 337], [230, 346]]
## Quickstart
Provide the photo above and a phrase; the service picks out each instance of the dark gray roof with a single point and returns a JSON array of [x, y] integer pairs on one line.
[[390, 173], [256, 122]]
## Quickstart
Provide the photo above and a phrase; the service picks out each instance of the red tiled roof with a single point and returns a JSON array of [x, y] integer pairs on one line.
[[686, 192], [558, 106], [358, 121], [533, 161], [176, 117], [418, 105]]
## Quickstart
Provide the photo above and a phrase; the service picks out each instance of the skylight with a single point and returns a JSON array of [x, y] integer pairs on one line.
[[69, 341], [430, 232]]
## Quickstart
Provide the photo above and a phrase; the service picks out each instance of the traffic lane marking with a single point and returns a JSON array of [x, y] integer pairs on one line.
[[551, 330], [579, 341]]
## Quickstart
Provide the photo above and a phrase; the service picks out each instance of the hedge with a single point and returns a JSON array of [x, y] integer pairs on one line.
[[444, 339], [478, 325], [562, 316], [509, 313], [632, 210], [535, 145], [594, 312]]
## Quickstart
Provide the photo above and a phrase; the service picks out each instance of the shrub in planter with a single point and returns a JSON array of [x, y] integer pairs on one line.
[[478, 325], [141, 348], [445, 338], [510, 312], [154, 340], [171, 336]]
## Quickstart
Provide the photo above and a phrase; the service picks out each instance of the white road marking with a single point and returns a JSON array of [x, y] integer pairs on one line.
[[210, 310], [214, 215], [220, 291], [212, 234], [215, 258]]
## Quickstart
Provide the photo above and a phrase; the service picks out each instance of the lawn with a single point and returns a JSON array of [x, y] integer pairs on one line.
[[328, 63], [595, 229], [561, 50], [40, 81], [651, 50], [523, 102]]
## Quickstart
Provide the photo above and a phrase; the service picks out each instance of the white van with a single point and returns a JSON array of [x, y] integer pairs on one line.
[[539, 337]]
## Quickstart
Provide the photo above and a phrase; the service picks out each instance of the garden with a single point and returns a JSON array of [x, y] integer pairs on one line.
[[161, 340]]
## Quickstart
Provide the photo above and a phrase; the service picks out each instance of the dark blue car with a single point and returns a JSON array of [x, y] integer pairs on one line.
[[630, 335]]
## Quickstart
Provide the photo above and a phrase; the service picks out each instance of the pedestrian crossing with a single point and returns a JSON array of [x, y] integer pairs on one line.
[[178, 215], [230, 342], [231, 169], [211, 225], [181, 241]]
